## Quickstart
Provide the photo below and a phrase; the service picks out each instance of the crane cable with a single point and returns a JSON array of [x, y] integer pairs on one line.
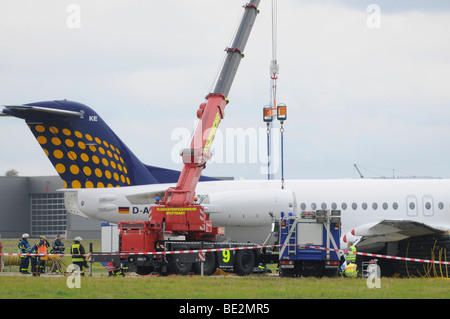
[[273, 107], [274, 67], [274, 70]]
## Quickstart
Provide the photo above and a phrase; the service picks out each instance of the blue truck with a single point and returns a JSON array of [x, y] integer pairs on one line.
[[320, 228]]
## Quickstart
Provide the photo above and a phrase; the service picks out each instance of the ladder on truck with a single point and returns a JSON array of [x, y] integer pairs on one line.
[[290, 243]]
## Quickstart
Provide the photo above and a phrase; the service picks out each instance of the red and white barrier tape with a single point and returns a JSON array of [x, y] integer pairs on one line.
[[168, 252], [380, 256], [173, 252], [34, 255]]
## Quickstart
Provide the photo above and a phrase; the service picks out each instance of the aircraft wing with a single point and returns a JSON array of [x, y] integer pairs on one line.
[[392, 230], [147, 198], [164, 175]]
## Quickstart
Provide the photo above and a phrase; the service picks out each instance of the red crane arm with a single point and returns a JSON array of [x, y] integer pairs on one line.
[[210, 114], [177, 212], [194, 158]]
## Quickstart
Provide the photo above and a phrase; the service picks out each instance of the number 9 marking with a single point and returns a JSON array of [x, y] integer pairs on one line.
[[226, 256]]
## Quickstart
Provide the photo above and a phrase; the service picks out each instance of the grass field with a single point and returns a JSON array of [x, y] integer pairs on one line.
[[223, 287], [215, 287]]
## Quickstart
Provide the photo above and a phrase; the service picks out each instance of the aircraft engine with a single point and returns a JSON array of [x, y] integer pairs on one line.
[[256, 207]]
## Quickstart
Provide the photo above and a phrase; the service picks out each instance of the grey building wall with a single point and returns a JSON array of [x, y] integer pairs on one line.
[[85, 228], [44, 184], [16, 195], [15, 215]]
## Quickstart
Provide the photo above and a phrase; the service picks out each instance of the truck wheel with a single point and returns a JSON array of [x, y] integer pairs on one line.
[[287, 272], [180, 268], [330, 272], [244, 263], [209, 265], [143, 270]]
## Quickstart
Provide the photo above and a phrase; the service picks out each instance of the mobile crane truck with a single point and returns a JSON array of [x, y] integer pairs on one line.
[[177, 223]]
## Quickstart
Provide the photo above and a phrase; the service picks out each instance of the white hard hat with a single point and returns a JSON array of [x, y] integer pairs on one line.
[[25, 235], [78, 239]]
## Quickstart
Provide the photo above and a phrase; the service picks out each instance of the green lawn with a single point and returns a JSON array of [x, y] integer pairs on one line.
[[223, 287], [215, 287]]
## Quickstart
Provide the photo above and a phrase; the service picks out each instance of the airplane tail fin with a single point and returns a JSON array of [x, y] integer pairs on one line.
[[85, 152]]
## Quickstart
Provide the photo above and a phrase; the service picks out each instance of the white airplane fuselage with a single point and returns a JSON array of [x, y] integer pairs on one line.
[[104, 180], [245, 208]]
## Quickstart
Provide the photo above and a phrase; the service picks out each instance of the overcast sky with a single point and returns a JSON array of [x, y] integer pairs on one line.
[[363, 84]]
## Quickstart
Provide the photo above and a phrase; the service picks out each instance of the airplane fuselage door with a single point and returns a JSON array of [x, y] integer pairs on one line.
[[411, 205], [428, 205]]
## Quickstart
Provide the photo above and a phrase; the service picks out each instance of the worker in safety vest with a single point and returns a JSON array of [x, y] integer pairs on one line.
[[350, 256], [78, 258], [24, 248], [113, 270], [34, 260], [1, 247], [42, 249], [57, 248], [351, 271]]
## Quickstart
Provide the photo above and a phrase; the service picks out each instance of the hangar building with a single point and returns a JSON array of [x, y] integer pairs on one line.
[[32, 205]]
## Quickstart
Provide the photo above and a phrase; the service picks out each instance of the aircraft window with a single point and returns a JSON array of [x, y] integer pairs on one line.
[[441, 205], [323, 206], [395, 205], [344, 206], [333, 206], [375, 206], [385, 206], [428, 206], [355, 206], [412, 206], [313, 206], [364, 206], [303, 206]]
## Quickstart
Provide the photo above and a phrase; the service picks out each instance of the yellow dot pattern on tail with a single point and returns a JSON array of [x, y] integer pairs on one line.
[[81, 159]]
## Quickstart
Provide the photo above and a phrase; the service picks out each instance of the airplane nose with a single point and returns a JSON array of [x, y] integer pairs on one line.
[[345, 238], [353, 232]]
